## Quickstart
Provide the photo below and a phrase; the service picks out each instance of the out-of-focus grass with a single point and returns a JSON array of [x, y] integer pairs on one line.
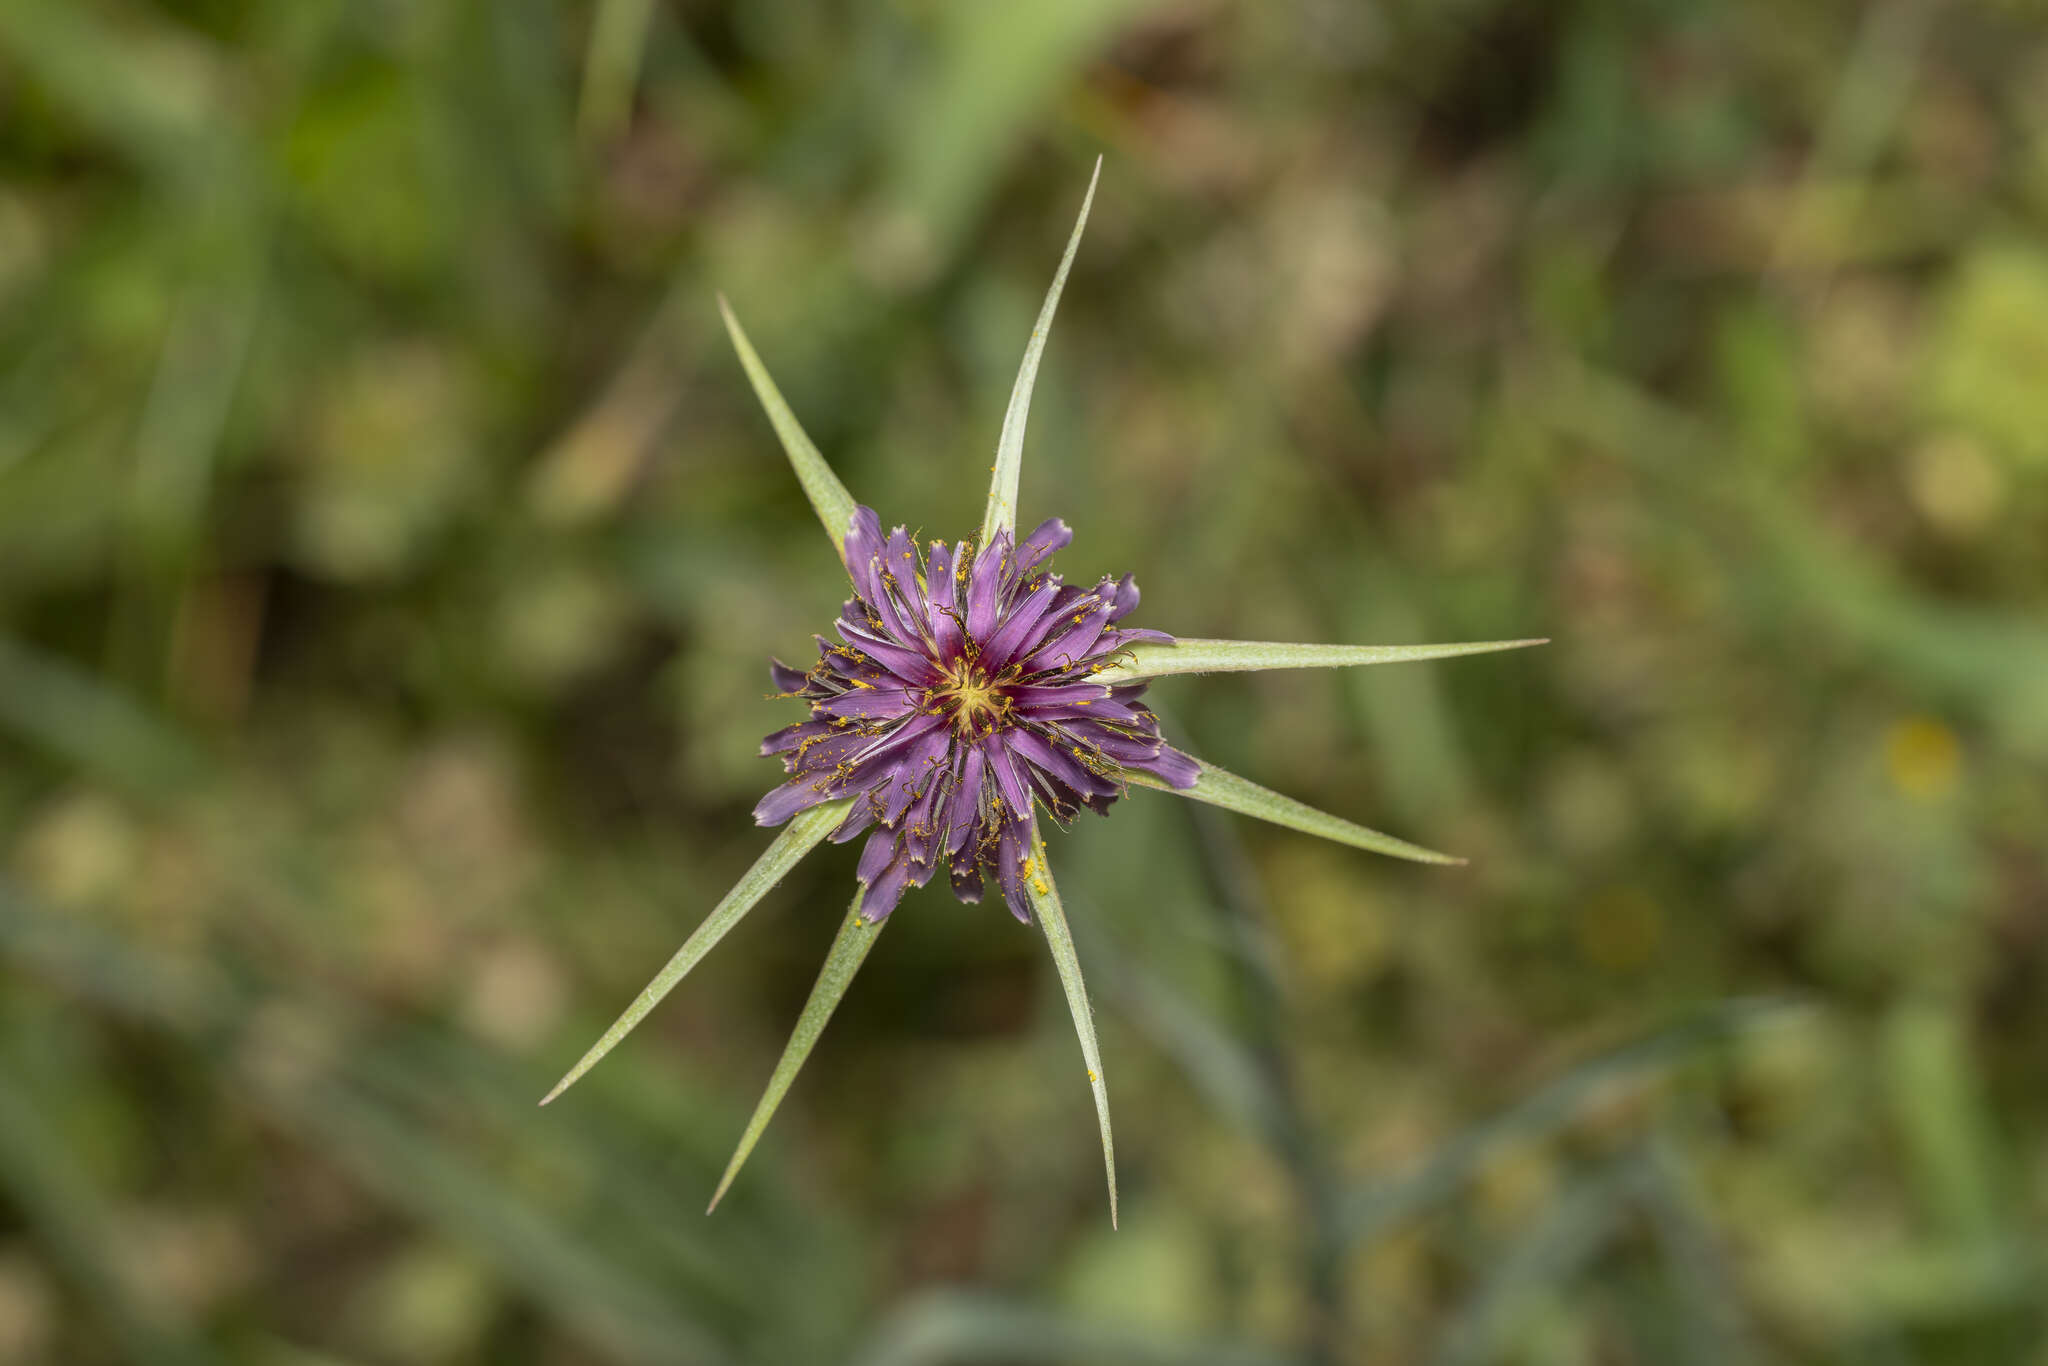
[[390, 547]]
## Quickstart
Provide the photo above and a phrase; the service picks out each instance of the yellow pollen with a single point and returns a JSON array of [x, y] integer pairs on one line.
[[970, 696]]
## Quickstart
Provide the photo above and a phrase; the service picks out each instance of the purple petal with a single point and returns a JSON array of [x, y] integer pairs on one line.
[[864, 552], [918, 773], [1126, 598], [883, 760], [789, 737], [900, 604], [1112, 641], [798, 794], [1083, 626], [964, 807], [998, 648], [1064, 603], [1013, 845], [941, 600], [875, 855], [1120, 745], [1064, 801], [1034, 749], [1047, 539], [787, 681], [985, 586], [1106, 709], [1030, 696], [897, 741], [967, 880], [1178, 769], [849, 661], [816, 758], [887, 888], [905, 661], [868, 704], [860, 818], [921, 826], [1009, 783], [920, 870]]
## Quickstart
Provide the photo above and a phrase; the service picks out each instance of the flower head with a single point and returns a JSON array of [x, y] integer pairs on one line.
[[970, 689], [963, 694]]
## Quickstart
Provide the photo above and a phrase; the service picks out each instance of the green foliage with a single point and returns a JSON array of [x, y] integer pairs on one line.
[[390, 549], [1187, 655], [829, 498], [1008, 469], [802, 834], [1247, 798], [849, 950]]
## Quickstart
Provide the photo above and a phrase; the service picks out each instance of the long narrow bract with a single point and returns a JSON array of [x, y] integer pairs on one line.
[[798, 838], [1219, 787], [849, 949], [829, 498], [1188, 656], [1002, 490], [1052, 918]]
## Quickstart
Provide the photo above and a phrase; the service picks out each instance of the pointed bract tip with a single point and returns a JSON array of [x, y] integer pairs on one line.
[[575, 1074], [724, 1185]]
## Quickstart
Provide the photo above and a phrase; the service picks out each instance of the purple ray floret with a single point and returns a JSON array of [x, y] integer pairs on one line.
[[959, 700]]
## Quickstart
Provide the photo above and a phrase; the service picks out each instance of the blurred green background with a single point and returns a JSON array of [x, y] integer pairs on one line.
[[390, 549]]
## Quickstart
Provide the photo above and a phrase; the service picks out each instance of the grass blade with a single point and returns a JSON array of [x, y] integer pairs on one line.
[[1002, 489], [1052, 918], [849, 950], [1221, 788], [798, 838], [79, 719], [611, 67], [833, 504], [1242, 656], [43, 1177]]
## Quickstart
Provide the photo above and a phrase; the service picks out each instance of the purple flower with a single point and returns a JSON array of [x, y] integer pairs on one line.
[[963, 694], [969, 689]]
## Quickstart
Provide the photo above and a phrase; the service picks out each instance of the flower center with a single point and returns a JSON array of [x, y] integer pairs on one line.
[[970, 697]]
